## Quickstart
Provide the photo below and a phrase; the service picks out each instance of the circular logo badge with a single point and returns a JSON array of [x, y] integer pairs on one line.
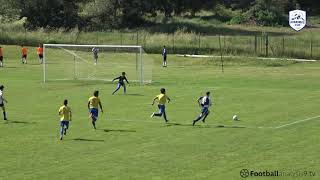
[[244, 173]]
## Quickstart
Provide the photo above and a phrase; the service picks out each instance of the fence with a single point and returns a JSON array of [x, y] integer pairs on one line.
[[263, 45]]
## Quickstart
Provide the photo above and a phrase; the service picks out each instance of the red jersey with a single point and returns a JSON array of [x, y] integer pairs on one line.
[[39, 50], [24, 51]]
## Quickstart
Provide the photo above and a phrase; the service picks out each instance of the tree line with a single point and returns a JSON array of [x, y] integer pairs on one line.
[[116, 14]]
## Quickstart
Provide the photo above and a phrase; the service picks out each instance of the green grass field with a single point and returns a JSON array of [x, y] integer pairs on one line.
[[275, 101]]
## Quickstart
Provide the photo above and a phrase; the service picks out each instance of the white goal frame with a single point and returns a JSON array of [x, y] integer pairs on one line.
[[98, 46]]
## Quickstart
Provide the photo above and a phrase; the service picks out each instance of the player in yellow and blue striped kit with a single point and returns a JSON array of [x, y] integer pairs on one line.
[[162, 99], [66, 116], [93, 104]]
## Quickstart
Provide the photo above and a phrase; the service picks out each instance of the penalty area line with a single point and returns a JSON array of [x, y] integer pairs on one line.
[[299, 121]]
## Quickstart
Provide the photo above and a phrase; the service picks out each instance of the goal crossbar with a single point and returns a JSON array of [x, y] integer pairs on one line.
[[138, 48]]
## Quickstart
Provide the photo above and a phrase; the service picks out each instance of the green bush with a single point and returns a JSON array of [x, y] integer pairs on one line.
[[266, 13], [224, 14], [238, 19]]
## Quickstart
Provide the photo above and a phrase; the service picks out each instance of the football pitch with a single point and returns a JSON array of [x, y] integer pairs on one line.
[[277, 103]]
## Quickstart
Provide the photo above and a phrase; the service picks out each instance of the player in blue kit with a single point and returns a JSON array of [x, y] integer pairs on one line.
[[204, 102], [95, 52], [164, 55], [2, 101]]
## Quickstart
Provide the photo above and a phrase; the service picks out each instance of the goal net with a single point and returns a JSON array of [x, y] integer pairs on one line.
[[96, 62]]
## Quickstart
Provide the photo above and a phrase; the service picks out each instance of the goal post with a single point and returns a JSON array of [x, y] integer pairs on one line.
[[78, 62]]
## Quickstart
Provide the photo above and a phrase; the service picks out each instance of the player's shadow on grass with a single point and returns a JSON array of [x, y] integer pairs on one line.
[[82, 83], [225, 126], [20, 122], [10, 67], [176, 124], [118, 130], [88, 140], [202, 125], [133, 94], [51, 63]]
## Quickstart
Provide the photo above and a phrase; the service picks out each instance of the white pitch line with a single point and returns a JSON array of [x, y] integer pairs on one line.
[[226, 126], [296, 122]]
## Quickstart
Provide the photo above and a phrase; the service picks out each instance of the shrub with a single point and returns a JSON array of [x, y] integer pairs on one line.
[[223, 13], [238, 19], [266, 13]]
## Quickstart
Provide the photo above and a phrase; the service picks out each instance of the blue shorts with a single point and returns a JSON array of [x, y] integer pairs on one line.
[[121, 84], [204, 110], [64, 124], [94, 113], [162, 108]]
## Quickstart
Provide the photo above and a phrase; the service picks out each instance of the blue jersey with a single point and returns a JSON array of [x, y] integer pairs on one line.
[[205, 101], [95, 51], [164, 52]]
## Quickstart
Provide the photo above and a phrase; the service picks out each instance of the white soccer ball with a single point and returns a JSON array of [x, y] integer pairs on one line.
[[235, 117]]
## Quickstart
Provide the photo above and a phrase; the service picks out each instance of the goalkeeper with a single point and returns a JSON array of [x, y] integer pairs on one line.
[[121, 83]]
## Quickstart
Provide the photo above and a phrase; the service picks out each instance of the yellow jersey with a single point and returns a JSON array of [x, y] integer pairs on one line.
[[162, 98], [94, 102], [65, 113]]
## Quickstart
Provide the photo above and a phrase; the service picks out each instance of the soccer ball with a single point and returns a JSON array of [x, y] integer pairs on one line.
[[235, 117]]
